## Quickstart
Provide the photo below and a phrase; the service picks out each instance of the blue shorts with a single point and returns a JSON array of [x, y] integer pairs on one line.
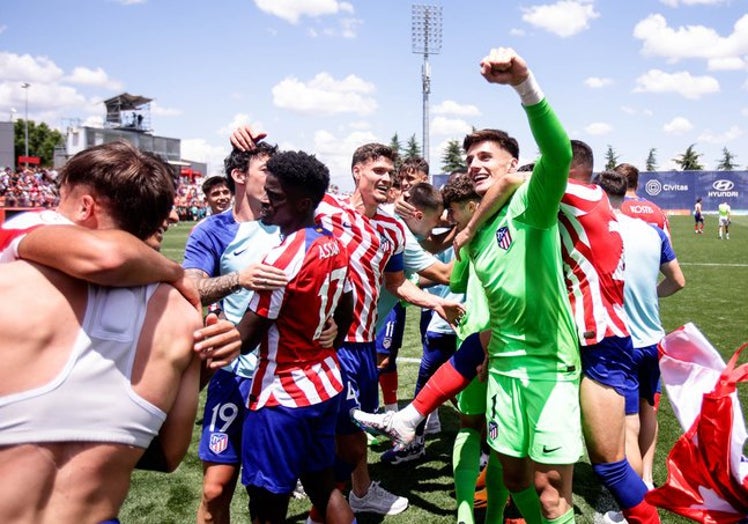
[[283, 443], [648, 367], [358, 368], [390, 336], [610, 362], [223, 418]]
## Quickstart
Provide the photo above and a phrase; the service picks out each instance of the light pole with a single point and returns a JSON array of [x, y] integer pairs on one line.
[[426, 36], [12, 113], [26, 86]]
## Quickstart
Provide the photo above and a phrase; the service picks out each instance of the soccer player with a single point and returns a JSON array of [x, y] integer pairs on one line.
[[92, 376], [638, 207], [289, 431], [428, 208], [698, 217], [593, 274], [724, 211], [533, 375], [648, 253], [223, 255], [374, 241], [390, 312], [217, 194]]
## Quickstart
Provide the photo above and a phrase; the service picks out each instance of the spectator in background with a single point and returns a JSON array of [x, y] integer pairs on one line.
[[698, 216], [217, 194]]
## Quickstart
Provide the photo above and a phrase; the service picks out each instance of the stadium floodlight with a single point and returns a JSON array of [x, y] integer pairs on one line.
[[426, 37], [25, 86]]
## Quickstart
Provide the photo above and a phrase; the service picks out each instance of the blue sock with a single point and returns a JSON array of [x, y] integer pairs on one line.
[[620, 478], [468, 357]]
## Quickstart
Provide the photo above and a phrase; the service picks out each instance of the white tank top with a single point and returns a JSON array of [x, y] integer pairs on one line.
[[91, 398]]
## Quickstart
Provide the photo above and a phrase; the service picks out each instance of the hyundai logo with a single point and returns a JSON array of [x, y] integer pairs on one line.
[[723, 185], [653, 187]]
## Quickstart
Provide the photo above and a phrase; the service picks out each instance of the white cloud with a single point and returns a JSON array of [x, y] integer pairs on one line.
[[199, 150], [693, 41], [93, 77], [744, 111], [633, 111], [27, 68], [93, 121], [450, 107], [682, 83], [323, 95], [598, 128], [720, 138], [241, 119], [517, 32], [596, 82], [450, 127], [359, 125], [677, 126], [730, 63], [564, 18], [292, 10], [336, 152]]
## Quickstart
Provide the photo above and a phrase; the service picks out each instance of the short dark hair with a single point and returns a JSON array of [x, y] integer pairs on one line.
[[630, 172], [412, 164], [582, 156], [506, 142], [239, 159], [214, 181], [425, 196], [301, 174], [525, 168], [612, 182], [372, 151], [459, 188], [137, 185]]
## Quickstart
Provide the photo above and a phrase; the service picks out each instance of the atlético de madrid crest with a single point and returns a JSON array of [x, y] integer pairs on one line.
[[504, 238]]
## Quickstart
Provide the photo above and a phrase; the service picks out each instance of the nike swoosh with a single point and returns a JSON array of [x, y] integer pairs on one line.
[[550, 450], [239, 252]]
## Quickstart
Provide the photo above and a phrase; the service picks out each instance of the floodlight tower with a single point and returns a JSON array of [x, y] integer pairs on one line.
[[427, 40], [25, 86]]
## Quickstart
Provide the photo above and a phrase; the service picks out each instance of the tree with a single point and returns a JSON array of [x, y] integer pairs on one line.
[[412, 149], [395, 144], [611, 159], [42, 141], [689, 161], [727, 163], [452, 159], [651, 164]]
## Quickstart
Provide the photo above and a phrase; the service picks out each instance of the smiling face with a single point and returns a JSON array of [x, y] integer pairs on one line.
[[460, 213], [373, 180], [487, 162], [218, 198]]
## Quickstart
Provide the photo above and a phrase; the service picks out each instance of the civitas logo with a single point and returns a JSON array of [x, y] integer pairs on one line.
[[653, 187], [723, 185]]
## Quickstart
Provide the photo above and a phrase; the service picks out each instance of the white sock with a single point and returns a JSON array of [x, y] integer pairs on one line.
[[411, 416]]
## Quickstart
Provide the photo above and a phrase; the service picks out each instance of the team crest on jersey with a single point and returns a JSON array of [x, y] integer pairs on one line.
[[504, 238], [218, 442], [493, 430]]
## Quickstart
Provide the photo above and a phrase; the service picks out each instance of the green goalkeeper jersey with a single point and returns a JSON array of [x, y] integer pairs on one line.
[[517, 257]]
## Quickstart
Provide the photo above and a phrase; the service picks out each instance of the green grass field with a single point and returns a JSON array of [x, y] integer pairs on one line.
[[717, 281]]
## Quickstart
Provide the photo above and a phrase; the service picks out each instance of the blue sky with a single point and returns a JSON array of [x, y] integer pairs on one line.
[[327, 75]]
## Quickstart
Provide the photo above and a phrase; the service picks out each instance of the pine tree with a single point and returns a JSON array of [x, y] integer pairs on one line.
[[453, 159], [689, 161], [412, 149], [728, 161], [651, 163], [611, 159]]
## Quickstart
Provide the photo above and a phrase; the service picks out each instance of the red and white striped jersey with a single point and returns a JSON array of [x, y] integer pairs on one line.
[[642, 208], [371, 244], [592, 252], [294, 370], [12, 231]]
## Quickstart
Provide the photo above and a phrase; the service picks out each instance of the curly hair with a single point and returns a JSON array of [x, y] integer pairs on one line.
[[301, 173]]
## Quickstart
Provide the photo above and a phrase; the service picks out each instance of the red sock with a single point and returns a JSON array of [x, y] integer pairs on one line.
[[642, 513], [442, 386], [388, 383]]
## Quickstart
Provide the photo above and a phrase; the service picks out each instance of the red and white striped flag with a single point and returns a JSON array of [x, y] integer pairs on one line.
[[707, 472]]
